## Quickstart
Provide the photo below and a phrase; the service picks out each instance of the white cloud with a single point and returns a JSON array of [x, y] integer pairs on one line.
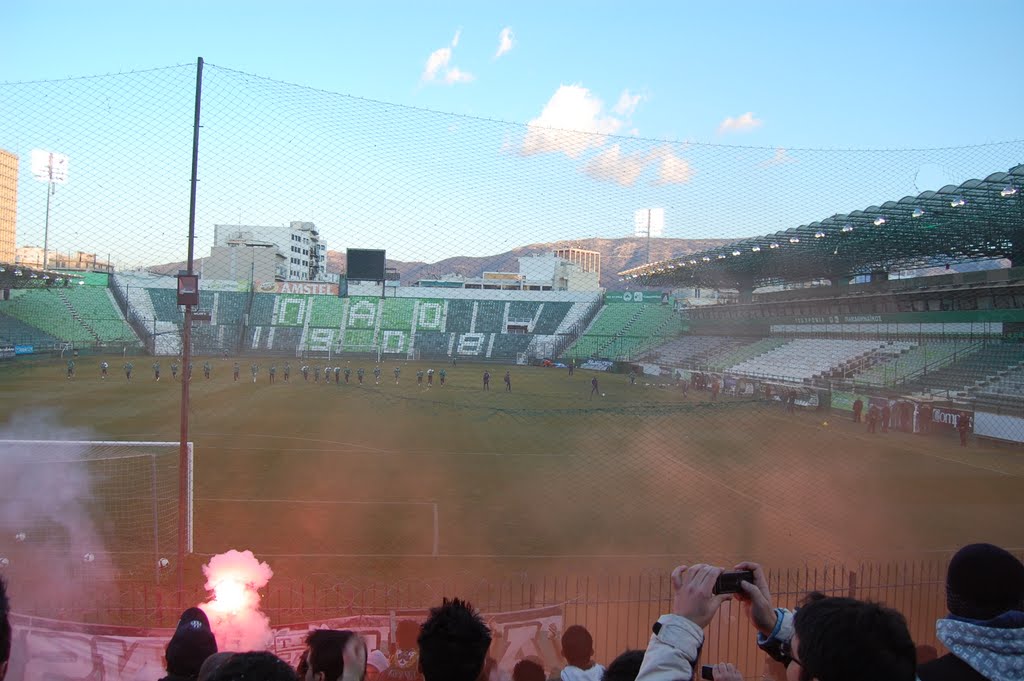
[[672, 169], [627, 103], [506, 40], [742, 123], [614, 166], [457, 75], [780, 158], [571, 122], [438, 63]]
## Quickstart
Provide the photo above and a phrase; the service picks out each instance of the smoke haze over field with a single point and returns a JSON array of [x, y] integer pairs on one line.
[[47, 531]]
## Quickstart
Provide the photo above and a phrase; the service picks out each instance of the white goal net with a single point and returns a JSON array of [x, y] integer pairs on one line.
[[107, 503]]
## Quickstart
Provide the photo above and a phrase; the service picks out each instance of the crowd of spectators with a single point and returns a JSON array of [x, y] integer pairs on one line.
[[827, 638]]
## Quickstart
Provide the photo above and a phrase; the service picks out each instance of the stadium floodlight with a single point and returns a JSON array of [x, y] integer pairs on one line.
[[17, 273], [693, 262], [735, 252], [847, 228], [957, 202], [33, 275], [756, 249], [918, 212], [879, 221], [721, 256], [819, 235], [2, 270], [46, 277], [1008, 191], [773, 245], [81, 283], [706, 259], [794, 240]]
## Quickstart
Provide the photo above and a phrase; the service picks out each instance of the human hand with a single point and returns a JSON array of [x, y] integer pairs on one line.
[[757, 599], [723, 671], [693, 598]]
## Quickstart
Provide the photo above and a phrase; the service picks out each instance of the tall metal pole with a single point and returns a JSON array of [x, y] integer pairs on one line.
[[186, 351], [46, 225]]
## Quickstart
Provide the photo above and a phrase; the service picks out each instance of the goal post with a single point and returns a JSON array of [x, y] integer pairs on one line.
[[114, 499]]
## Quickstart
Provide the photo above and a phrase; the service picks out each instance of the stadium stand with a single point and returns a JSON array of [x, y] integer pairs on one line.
[[697, 350], [1010, 383], [84, 315], [971, 371], [15, 332], [622, 331], [805, 358], [743, 353], [931, 355]]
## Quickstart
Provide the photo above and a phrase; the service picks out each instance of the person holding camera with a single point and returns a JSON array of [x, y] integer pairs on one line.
[[827, 639]]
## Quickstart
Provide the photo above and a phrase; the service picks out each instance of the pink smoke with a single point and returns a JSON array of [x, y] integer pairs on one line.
[[234, 578]]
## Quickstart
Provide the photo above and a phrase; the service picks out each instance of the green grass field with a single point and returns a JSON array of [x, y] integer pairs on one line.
[[392, 481]]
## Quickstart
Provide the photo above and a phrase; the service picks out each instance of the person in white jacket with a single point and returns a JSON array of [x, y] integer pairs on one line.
[[828, 639]]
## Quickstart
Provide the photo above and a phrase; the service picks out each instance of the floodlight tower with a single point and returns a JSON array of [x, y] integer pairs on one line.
[[51, 168], [649, 222]]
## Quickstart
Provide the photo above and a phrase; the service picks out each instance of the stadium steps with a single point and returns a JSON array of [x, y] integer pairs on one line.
[[895, 368], [805, 358], [77, 317], [721, 362]]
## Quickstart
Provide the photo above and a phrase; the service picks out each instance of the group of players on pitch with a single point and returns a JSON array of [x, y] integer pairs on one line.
[[307, 372]]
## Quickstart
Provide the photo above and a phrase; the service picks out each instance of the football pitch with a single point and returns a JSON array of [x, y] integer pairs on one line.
[[397, 480]]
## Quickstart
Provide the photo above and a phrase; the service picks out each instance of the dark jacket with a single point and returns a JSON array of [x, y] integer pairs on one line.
[[948, 668]]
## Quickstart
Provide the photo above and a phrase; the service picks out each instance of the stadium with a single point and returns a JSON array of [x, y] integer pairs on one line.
[[838, 392]]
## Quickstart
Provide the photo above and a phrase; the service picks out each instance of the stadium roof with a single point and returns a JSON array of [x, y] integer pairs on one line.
[[977, 220]]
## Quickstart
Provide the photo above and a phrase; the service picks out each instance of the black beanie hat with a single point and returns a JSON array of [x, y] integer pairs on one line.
[[983, 582], [191, 644]]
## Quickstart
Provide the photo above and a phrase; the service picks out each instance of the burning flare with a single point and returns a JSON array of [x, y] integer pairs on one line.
[[235, 578]]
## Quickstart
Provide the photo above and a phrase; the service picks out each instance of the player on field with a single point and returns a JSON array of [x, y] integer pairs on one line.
[[442, 374], [156, 371], [235, 371], [128, 370], [632, 377], [337, 375], [71, 368], [376, 375], [419, 377], [508, 381], [174, 370], [487, 380], [398, 371], [572, 366], [189, 377], [430, 377], [316, 374], [305, 373], [255, 369], [272, 372], [593, 387], [206, 370], [103, 370], [348, 373], [359, 374], [287, 372]]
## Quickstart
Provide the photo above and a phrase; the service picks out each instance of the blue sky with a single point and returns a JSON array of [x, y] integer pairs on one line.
[[815, 74], [770, 77]]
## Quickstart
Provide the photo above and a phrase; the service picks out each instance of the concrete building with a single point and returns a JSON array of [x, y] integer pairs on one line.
[[536, 273], [589, 261], [79, 261], [8, 205], [299, 254]]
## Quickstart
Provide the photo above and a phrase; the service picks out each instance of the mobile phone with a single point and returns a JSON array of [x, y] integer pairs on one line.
[[706, 672], [729, 582]]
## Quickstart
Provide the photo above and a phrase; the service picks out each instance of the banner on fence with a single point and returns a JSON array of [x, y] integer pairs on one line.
[[54, 650], [24, 349]]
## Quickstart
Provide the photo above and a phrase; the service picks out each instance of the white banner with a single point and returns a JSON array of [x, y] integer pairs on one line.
[[54, 650]]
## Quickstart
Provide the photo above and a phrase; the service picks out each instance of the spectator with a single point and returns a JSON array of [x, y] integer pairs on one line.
[[404, 664], [255, 666], [5, 629], [578, 651], [984, 631], [828, 639], [453, 643], [528, 670], [335, 655], [191, 644], [625, 667], [212, 665], [376, 663]]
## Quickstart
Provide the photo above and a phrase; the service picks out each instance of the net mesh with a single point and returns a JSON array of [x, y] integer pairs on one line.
[[639, 426]]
